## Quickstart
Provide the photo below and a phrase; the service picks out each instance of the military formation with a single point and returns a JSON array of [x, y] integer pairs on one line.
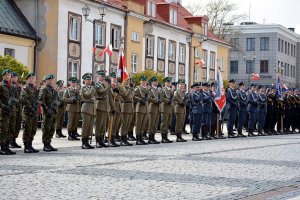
[[111, 112]]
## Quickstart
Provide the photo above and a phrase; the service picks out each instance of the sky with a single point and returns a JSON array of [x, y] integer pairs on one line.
[[284, 12]]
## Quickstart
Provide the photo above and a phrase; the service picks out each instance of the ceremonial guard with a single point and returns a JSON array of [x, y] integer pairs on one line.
[[154, 103], [207, 109], [242, 106], [268, 123], [280, 122], [179, 110], [141, 96], [214, 116], [196, 104], [88, 110], [275, 113], [71, 97], [61, 108], [252, 110], [48, 96], [296, 121], [132, 125], [166, 109], [29, 100], [232, 106], [16, 118], [261, 110]]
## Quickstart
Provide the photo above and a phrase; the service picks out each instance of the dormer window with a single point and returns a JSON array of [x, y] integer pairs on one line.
[[151, 8], [173, 16], [205, 28]]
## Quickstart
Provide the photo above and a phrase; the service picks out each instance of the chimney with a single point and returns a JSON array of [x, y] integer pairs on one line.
[[292, 29]]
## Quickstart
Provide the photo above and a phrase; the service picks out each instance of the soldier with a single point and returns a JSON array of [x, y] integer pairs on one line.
[[71, 97], [29, 100], [292, 118], [261, 110], [179, 110], [232, 106], [5, 114], [173, 120], [16, 117], [131, 127], [275, 113], [196, 104], [242, 105], [103, 88], [48, 96], [252, 109], [127, 109], [60, 109], [166, 109], [141, 111], [154, 104], [267, 126], [206, 112], [87, 94]]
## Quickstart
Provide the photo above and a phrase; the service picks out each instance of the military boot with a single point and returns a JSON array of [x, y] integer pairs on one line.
[[251, 134], [130, 136], [74, 136], [33, 149], [145, 137], [27, 148], [86, 144], [101, 142], [168, 141], [152, 140], [51, 147], [163, 138], [77, 134], [46, 148], [240, 134], [13, 144], [260, 133], [57, 135], [205, 133], [117, 137], [124, 141], [8, 151], [113, 143], [140, 141], [70, 136], [2, 150], [196, 137], [179, 138]]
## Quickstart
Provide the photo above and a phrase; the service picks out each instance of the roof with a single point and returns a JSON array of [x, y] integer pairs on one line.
[[13, 22], [215, 38]]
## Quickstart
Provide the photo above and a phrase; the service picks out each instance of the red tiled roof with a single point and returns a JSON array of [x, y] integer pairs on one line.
[[216, 38]]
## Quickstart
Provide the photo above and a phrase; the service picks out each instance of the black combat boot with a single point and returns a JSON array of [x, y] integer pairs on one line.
[[179, 138], [13, 144], [124, 141], [2, 150], [77, 134], [169, 141], [163, 138], [8, 151], [152, 140], [33, 149], [205, 133], [101, 142], [98, 142], [74, 135], [59, 134], [70, 136], [51, 147], [27, 148], [86, 144], [145, 137], [196, 137], [46, 148], [113, 143], [130, 136], [117, 137], [231, 134], [251, 134], [240, 134], [260, 133], [140, 141]]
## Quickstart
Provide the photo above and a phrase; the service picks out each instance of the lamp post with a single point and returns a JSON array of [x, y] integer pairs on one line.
[[86, 12], [251, 69], [201, 39]]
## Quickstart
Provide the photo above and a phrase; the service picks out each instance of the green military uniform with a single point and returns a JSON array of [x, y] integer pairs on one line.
[[141, 111], [5, 115], [87, 94], [179, 110], [166, 110], [48, 96], [72, 98], [60, 110], [29, 100], [154, 103]]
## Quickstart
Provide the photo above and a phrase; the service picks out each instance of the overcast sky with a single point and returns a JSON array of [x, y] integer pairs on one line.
[[284, 12]]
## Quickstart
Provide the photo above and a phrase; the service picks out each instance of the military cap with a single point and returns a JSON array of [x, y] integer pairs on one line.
[[113, 74], [193, 85], [241, 83], [49, 76], [6, 71], [59, 82], [30, 75], [87, 76], [198, 84], [180, 81], [174, 83], [252, 85], [143, 78], [231, 81], [101, 72], [14, 74], [73, 79], [261, 86], [153, 78], [205, 84], [213, 84], [167, 79]]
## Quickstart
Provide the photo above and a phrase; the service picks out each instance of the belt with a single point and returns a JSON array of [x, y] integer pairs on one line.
[[91, 102], [100, 98], [127, 101]]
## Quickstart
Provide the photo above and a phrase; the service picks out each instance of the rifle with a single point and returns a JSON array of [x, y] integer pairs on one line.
[[35, 102]]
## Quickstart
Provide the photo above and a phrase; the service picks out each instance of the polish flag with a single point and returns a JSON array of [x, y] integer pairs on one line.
[[200, 62], [255, 77], [107, 49], [122, 73]]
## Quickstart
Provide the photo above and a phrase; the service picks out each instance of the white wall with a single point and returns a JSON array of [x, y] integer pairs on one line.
[[21, 52]]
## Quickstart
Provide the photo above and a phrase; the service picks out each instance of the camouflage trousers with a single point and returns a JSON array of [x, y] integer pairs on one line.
[[15, 124], [4, 127], [48, 128], [30, 127]]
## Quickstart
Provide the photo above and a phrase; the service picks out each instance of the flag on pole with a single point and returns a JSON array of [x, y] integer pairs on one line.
[[220, 98], [255, 77], [278, 86], [285, 87], [200, 62], [122, 73], [107, 50]]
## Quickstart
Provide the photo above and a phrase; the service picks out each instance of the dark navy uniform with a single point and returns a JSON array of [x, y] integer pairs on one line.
[[275, 113], [232, 107], [242, 105], [196, 104], [207, 108], [252, 111], [261, 112], [267, 126]]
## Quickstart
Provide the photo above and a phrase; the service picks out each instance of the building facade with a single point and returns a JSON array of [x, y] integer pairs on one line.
[[264, 49]]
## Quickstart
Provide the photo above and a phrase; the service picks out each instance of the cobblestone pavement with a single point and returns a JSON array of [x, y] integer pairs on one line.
[[241, 168]]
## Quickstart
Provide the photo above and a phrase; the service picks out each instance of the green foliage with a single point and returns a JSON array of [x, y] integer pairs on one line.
[[149, 74], [7, 62], [225, 84]]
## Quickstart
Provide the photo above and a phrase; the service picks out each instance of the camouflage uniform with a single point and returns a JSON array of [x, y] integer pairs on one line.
[[61, 108]]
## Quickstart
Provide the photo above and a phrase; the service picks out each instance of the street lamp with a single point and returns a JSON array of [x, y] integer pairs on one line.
[[86, 12]]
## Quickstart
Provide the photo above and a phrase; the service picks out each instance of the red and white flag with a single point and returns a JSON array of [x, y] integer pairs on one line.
[[122, 73], [107, 49], [255, 77], [200, 62], [220, 98]]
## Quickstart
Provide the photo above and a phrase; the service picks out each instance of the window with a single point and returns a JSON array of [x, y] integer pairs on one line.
[[234, 67], [9, 52], [281, 46], [100, 34], [151, 9], [74, 28], [250, 46], [134, 62], [149, 45], [197, 53], [135, 37], [278, 44], [116, 36], [221, 60], [212, 61], [196, 72], [288, 69], [249, 66], [204, 57], [285, 47], [295, 51], [73, 69], [173, 17], [292, 50], [161, 48], [235, 44], [288, 52], [264, 44], [264, 66], [182, 53], [172, 51]]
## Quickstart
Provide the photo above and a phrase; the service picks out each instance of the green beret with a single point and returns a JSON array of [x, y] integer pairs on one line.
[[167, 79], [49, 76], [181, 81], [113, 75], [153, 78], [30, 75], [143, 78], [73, 79], [13, 74], [6, 71], [101, 72], [60, 82], [87, 76]]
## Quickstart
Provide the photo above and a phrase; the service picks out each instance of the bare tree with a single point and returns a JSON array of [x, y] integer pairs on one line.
[[195, 9]]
